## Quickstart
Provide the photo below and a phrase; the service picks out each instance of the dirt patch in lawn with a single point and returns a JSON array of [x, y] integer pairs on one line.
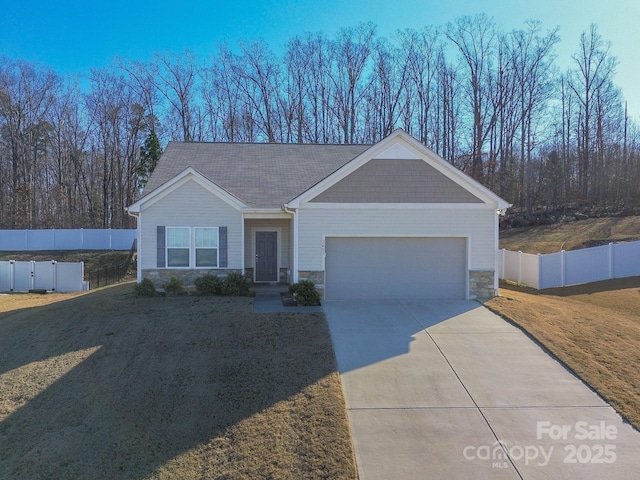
[[594, 329], [106, 385], [570, 236]]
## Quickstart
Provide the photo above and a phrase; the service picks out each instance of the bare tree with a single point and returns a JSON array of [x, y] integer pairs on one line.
[[475, 38], [421, 51], [351, 52], [388, 80], [26, 96], [175, 78], [531, 61], [595, 69]]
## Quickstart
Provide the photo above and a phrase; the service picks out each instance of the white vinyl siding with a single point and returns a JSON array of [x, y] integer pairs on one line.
[[190, 205], [475, 223]]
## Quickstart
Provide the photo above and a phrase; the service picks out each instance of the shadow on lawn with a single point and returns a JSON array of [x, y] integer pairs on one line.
[[582, 289], [169, 375]]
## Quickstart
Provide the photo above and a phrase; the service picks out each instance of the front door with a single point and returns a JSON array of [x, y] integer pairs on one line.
[[266, 269]]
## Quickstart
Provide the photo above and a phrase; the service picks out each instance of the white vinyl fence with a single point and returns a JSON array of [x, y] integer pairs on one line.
[[67, 239], [570, 268], [16, 276]]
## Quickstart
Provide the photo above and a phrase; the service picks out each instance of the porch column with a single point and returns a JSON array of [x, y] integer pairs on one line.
[[242, 221], [294, 263]]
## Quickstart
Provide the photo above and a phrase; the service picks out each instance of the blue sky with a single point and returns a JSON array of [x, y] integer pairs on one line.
[[72, 36]]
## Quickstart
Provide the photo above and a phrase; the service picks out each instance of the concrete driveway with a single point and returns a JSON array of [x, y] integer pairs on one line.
[[448, 390]]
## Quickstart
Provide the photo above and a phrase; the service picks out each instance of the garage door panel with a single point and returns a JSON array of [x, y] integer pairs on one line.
[[386, 268]]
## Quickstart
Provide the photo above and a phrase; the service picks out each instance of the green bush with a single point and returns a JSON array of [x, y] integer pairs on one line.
[[235, 284], [144, 289], [305, 293], [208, 285], [174, 286]]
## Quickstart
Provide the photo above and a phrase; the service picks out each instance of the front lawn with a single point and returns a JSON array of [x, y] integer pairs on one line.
[[594, 329], [106, 385]]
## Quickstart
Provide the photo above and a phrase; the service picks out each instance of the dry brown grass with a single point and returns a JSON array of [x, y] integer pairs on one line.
[[594, 329], [105, 385], [569, 236]]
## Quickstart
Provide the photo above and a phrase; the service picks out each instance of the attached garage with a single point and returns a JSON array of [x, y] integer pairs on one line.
[[395, 268]]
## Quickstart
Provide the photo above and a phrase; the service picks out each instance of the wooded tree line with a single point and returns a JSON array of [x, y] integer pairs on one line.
[[75, 151]]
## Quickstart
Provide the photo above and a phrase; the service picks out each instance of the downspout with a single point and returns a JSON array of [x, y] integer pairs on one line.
[[294, 213], [496, 280], [138, 228]]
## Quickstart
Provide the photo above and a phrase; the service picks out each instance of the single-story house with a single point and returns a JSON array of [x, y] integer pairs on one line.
[[389, 220]]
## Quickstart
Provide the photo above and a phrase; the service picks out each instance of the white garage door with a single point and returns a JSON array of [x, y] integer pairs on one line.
[[395, 268]]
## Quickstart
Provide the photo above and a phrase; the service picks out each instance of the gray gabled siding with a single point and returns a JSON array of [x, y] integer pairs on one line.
[[396, 181]]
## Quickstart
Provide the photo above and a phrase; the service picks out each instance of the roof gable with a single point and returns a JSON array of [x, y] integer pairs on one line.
[[446, 184], [396, 181], [187, 175]]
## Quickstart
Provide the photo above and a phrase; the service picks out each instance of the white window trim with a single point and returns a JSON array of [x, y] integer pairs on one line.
[[195, 249], [192, 248], [167, 247]]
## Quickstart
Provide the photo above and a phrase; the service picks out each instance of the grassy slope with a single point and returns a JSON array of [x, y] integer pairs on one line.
[[572, 235], [105, 385], [594, 329]]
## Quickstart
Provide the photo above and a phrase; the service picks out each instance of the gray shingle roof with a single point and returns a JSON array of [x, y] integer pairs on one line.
[[261, 175]]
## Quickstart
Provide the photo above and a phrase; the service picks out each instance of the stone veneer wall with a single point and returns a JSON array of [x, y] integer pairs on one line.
[[481, 284], [283, 278], [161, 276], [316, 276], [188, 276]]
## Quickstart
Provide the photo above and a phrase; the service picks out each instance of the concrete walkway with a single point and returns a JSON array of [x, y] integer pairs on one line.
[[448, 390]]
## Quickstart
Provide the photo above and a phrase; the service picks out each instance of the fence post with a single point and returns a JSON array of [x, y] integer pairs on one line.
[[563, 273], [12, 275], [538, 286], [519, 267], [54, 275], [611, 272]]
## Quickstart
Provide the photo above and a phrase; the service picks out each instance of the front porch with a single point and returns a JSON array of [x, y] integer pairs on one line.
[[268, 248]]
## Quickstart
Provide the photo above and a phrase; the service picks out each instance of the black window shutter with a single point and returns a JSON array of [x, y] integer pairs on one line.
[[161, 243], [222, 233]]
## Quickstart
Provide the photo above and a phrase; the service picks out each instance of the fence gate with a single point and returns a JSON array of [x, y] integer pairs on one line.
[[20, 276]]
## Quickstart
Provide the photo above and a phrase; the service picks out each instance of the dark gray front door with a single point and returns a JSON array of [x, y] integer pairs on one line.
[[266, 257]]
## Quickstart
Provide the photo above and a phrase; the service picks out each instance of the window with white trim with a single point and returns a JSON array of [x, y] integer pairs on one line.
[[196, 247], [206, 247], [178, 246]]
